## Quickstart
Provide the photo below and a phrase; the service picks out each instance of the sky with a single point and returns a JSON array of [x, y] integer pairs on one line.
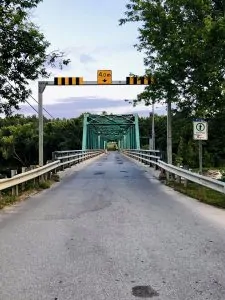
[[90, 35]]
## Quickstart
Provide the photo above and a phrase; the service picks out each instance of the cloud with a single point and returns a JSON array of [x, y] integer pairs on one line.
[[100, 49], [85, 58], [75, 106]]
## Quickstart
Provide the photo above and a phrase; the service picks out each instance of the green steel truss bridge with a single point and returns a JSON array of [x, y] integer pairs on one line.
[[98, 130]]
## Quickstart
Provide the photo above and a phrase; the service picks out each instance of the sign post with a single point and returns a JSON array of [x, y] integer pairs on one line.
[[200, 133], [200, 156]]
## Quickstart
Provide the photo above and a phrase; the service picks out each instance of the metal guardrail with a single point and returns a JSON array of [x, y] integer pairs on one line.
[[149, 156], [61, 159], [145, 156]]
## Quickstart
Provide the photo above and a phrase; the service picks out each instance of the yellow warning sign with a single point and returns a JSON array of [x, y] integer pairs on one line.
[[104, 76]]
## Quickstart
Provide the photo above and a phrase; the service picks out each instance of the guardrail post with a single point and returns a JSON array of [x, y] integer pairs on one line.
[[69, 163], [178, 179], [44, 177], [53, 156], [143, 157], [168, 176], [139, 155], [68, 159], [63, 166], [54, 171], [23, 170], [47, 176], [152, 165], [40, 179], [162, 175], [15, 189], [32, 167], [155, 159], [185, 180]]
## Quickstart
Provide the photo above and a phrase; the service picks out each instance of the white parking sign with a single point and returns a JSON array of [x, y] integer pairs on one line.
[[200, 130]]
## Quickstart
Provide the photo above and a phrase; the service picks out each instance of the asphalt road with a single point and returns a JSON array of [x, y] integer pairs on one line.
[[103, 231]]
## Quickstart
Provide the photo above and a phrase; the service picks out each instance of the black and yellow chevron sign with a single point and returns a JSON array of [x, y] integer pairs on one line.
[[139, 80], [68, 80]]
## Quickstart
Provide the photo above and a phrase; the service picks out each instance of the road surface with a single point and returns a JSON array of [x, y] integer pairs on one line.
[[111, 232]]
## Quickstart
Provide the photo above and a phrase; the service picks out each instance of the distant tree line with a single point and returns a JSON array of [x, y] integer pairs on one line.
[[19, 139]]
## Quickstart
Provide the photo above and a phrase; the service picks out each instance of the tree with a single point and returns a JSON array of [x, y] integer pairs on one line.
[[145, 128], [19, 142], [62, 135], [184, 48], [180, 152], [19, 139], [23, 53]]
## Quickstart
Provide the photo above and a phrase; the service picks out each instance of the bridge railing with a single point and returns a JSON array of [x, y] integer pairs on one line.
[[150, 157], [153, 158], [67, 158], [60, 161]]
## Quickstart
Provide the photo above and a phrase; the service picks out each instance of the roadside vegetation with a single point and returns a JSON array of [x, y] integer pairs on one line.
[[200, 193], [7, 198]]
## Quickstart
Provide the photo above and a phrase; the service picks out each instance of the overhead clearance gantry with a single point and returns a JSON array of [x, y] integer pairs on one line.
[[98, 129]]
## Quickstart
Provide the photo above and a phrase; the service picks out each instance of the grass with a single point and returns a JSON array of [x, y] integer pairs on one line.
[[7, 200], [201, 193], [30, 188], [205, 170]]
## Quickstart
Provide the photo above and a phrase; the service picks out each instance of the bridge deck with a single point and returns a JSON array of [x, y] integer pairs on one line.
[[106, 229]]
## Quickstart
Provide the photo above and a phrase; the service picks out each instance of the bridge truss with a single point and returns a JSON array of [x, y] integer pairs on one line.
[[98, 130]]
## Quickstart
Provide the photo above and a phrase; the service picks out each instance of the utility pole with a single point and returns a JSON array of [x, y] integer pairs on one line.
[[153, 126], [150, 138], [41, 88], [169, 133], [152, 134]]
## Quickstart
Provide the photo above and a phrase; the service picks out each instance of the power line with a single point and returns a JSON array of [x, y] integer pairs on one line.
[[29, 102], [43, 107], [31, 106]]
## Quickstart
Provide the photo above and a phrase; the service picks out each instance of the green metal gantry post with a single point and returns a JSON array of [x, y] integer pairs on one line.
[[137, 134], [84, 139]]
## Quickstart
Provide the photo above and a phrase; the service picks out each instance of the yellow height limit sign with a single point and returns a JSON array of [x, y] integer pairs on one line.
[[104, 76]]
